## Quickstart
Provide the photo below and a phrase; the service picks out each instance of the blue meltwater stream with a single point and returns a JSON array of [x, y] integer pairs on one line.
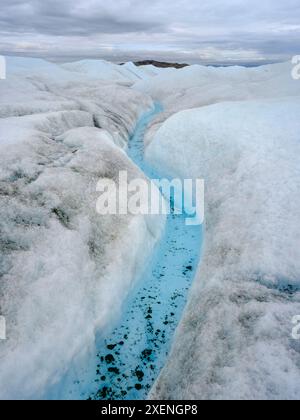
[[132, 356]]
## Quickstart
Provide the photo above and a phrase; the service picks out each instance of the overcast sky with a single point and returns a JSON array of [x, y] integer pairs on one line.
[[183, 30]]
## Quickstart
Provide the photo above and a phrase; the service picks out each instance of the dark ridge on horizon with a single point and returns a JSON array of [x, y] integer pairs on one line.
[[160, 64], [165, 64]]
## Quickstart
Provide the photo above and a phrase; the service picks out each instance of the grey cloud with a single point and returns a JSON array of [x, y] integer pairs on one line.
[[62, 18], [120, 29]]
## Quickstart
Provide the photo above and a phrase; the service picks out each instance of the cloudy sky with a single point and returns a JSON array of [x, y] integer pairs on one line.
[[213, 31]]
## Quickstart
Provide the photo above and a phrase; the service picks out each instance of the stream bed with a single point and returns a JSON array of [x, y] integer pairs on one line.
[[132, 356]]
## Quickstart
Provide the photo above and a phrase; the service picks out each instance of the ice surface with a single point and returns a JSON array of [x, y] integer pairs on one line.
[[126, 74], [197, 86], [83, 70], [65, 271], [235, 338], [37, 68], [221, 83], [112, 106], [100, 69]]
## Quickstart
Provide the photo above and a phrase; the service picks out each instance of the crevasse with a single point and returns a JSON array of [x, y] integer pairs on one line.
[[132, 356]]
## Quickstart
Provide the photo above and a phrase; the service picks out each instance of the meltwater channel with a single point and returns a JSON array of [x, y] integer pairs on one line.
[[132, 356]]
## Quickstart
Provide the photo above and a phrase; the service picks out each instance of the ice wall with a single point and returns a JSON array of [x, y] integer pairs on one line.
[[64, 270], [235, 340]]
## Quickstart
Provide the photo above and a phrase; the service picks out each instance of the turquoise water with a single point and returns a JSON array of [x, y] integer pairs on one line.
[[132, 356]]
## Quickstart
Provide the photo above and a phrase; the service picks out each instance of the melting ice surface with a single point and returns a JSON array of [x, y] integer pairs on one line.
[[132, 356]]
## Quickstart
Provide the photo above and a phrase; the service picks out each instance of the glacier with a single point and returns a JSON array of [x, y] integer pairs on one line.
[[68, 276], [235, 341], [65, 271]]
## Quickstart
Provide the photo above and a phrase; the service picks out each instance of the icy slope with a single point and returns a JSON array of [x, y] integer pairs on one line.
[[38, 68], [198, 86], [113, 107], [84, 70], [231, 82], [64, 270], [103, 70], [235, 338]]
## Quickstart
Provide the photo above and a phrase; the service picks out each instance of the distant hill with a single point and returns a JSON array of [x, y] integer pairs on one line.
[[160, 64]]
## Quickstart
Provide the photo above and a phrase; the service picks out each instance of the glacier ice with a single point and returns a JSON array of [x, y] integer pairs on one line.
[[234, 341], [65, 271], [198, 86]]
